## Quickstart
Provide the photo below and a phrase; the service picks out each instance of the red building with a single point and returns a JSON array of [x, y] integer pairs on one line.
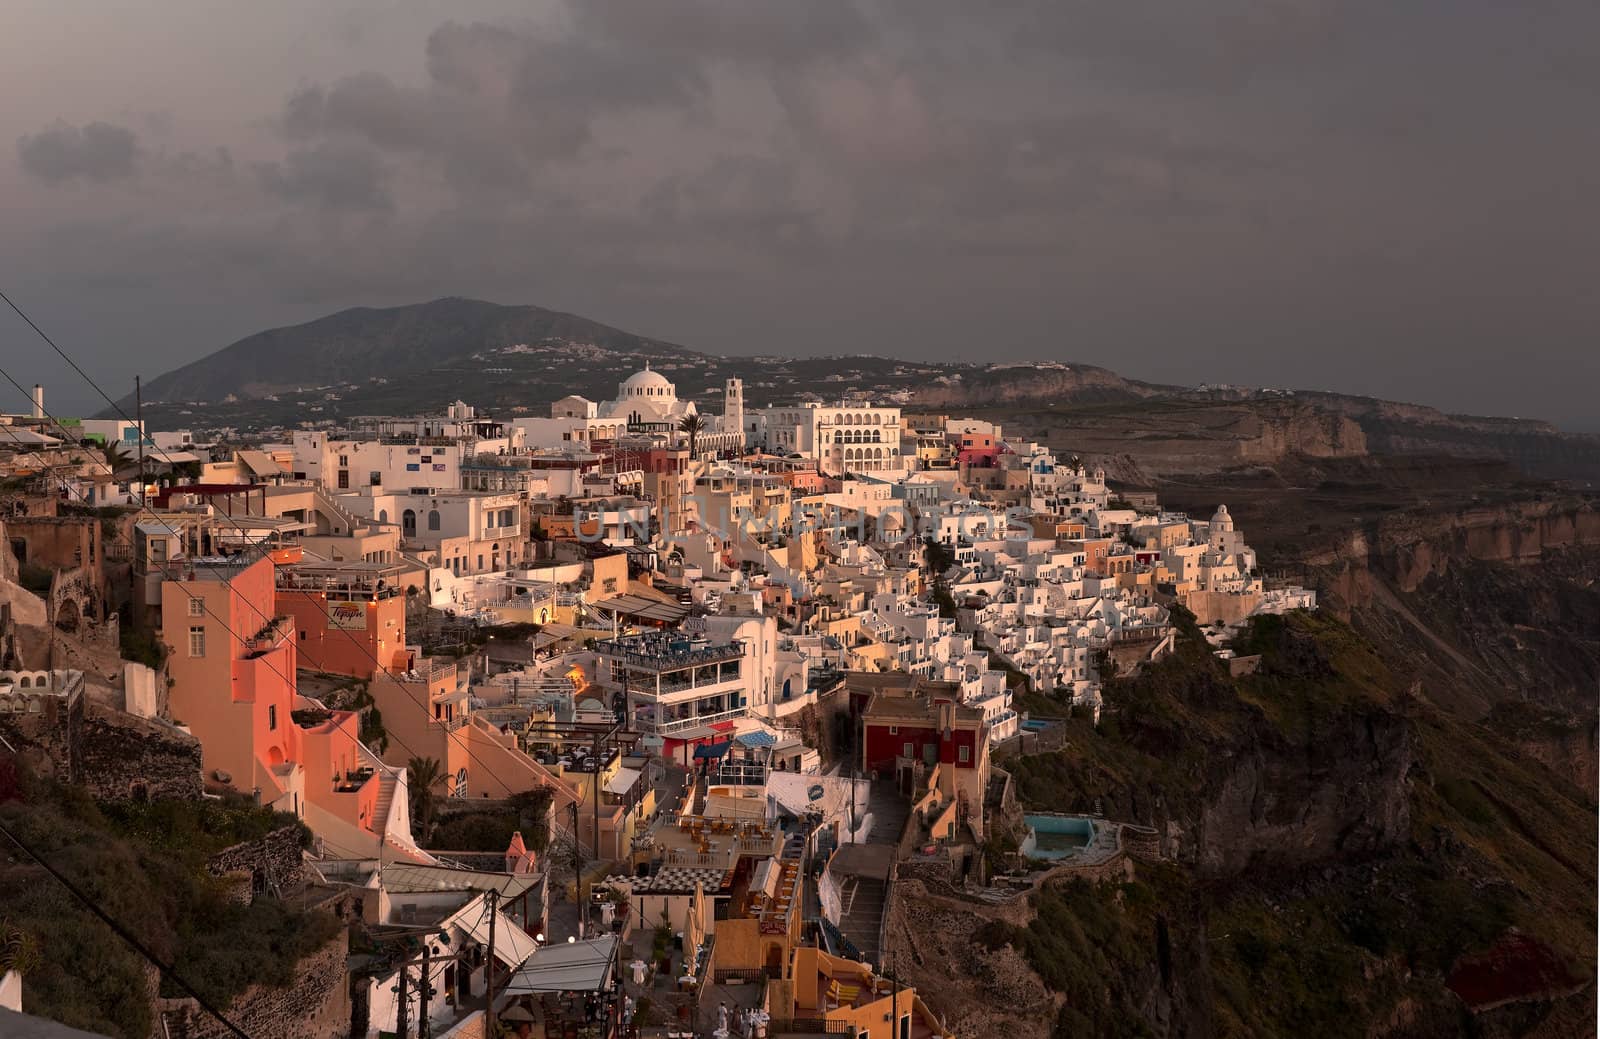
[[925, 726]]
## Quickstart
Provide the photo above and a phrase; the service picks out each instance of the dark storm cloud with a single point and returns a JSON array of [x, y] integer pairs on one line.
[[331, 176], [498, 100], [96, 152], [1324, 193]]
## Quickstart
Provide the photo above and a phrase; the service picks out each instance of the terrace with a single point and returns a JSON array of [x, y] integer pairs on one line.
[[668, 651]]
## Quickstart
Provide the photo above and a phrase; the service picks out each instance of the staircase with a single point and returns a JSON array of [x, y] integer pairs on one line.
[[337, 514], [861, 915], [387, 782]]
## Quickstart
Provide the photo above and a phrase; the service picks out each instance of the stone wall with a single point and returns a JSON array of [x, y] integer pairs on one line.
[[276, 858], [41, 715], [126, 758], [317, 1006]]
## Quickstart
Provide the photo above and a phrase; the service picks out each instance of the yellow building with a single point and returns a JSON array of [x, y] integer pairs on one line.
[[845, 995]]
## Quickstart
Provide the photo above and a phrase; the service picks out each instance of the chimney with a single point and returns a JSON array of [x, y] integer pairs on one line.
[[38, 401]]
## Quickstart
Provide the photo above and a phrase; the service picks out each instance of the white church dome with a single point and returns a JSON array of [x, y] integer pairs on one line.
[[646, 384]]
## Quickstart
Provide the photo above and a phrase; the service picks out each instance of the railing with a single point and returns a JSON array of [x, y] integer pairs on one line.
[[666, 654], [680, 724], [808, 1026]]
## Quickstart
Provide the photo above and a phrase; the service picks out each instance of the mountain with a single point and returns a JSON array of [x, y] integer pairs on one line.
[[355, 346], [516, 360]]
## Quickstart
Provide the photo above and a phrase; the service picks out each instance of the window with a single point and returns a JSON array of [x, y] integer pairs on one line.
[[197, 641], [433, 519], [197, 606], [964, 755], [302, 634], [894, 730], [907, 750], [272, 717]]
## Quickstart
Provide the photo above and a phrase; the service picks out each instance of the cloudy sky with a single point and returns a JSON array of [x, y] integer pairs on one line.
[[1378, 196]]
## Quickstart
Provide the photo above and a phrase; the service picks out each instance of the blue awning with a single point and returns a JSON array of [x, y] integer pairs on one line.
[[759, 738], [712, 750]]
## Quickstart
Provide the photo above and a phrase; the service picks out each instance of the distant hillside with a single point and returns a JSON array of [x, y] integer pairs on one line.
[[516, 360], [355, 347]]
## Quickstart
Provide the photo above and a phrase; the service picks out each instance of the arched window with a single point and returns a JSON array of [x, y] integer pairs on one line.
[[433, 519], [838, 419], [383, 515], [877, 436]]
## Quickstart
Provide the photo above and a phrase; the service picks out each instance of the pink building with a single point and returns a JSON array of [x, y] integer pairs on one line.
[[233, 664]]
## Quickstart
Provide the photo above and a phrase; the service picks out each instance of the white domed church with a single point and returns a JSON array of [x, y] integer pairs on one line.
[[647, 404], [647, 398]]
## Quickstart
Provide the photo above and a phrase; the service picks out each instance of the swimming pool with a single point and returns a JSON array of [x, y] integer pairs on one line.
[[1056, 836]]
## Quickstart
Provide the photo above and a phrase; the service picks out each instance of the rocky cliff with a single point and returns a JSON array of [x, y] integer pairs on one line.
[[1058, 384], [1338, 840]]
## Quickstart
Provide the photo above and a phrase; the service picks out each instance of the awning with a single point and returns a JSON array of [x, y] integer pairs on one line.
[[643, 608], [712, 751], [405, 877], [623, 781], [512, 945], [261, 463], [766, 878], [566, 967], [758, 738]]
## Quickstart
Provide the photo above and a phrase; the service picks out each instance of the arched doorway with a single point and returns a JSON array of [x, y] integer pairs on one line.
[[68, 615], [408, 523]]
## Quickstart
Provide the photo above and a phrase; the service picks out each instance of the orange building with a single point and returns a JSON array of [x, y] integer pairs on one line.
[[848, 998], [233, 667], [351, 616]]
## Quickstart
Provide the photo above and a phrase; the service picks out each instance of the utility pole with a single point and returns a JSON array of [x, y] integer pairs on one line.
[[423, 1031], [138, 411], [400, 1020], [894, 1005], [493, 898]]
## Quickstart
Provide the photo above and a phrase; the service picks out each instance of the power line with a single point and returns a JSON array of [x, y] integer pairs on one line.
[[165, 457], [192, 597], [381, 667], [143, 507], [123, 933]]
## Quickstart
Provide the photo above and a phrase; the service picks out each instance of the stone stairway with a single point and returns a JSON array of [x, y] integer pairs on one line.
[[861, 914], [380, 812]]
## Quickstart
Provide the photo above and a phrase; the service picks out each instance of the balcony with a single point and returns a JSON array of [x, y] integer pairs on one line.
[[667, 652], [682, 724]]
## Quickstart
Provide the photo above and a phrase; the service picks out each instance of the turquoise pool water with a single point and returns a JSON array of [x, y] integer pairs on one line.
[[1056, 836]]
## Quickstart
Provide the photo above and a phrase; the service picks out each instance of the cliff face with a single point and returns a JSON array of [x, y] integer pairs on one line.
[[1272, 432], [1537, 448], [1492, 605], [1075, 384], [1411, 548], [1150, 439], [1340, 793], [1336, 841]]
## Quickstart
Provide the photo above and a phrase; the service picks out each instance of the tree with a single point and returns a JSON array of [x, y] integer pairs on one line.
[[423, 773], [693, 425], [115, 455]]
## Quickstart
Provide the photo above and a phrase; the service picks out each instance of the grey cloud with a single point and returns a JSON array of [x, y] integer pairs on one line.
[[96, 152], [333, 177], [1301, 192], [499, 101]]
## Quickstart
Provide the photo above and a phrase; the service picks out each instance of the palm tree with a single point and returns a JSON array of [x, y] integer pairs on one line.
[[115, 455], [423, 774], [693, 425]]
